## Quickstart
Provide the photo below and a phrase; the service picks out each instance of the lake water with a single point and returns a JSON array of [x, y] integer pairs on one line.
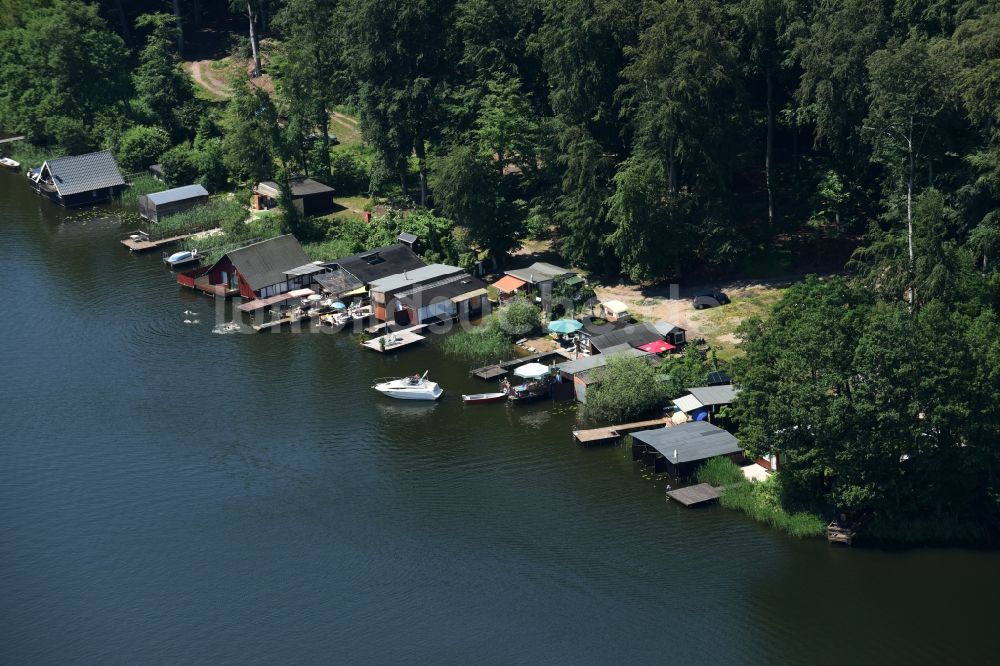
[[167, 494]]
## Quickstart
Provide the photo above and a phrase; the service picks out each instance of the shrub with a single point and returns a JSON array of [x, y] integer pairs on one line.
[[627, 389], [760, 502], [520, 317], [211, 164], [179, 165], [140, 146], [141, 184]]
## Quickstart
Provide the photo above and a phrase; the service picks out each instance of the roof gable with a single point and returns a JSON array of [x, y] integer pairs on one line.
[[264, 264], [84, 173], [539, 271]]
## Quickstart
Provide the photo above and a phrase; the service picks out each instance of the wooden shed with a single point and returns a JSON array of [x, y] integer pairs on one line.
[[158, 205], [310, 197]]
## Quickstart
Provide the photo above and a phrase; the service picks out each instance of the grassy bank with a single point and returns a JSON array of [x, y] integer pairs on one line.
[[758, 500], [144, 184], [27, 153]]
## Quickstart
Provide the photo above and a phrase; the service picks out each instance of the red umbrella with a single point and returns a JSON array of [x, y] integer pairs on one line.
[[657, 347]]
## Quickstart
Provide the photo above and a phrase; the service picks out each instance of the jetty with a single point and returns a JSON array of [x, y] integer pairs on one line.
[[501, 369], [612, 434], [139, 241], [837, 533], [702, 493], [396, 339]]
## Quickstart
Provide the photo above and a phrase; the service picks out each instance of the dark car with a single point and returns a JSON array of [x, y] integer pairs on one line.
[[709, 299]]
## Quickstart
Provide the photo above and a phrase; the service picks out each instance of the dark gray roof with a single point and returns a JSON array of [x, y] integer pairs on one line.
[[714, 395], [83, 173], [311, 268], [718, 378], [379, 263], [692, 441], [593, 330], [300, 187], [633, 334], [177, 194], [456, 285], [339, 282], [539, 271], [596, 361], [264, 264]]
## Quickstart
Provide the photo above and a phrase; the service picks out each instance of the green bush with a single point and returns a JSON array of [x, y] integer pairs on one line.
[[350, 169], [179, 165], [520, 317], [211, 165], [627, 388], [141, 184], [141, 146]]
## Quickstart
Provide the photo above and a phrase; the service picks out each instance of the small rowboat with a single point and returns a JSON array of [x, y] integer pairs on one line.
[[9, 163], [477, 398]]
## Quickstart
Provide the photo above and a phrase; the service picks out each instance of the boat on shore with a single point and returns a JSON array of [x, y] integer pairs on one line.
[[484, 398], [414, 387], [8, 163]]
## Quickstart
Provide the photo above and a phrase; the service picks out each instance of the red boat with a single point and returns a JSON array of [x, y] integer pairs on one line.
[[477, 398]]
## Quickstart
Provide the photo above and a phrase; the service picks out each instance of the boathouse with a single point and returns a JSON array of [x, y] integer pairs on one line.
[[351, 276], [458, 295], [384, 290], [79, 180], [158, 205], [310, 197], [260, 270], [680, 449]]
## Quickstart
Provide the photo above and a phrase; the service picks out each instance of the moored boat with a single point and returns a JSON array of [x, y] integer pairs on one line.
[[181, 258], [482, 398], [415, 387], [9, 163]]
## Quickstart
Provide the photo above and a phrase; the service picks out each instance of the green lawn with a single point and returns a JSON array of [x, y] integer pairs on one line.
[[718, 325]]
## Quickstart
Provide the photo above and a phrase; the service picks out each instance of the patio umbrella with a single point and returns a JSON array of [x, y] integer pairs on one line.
[[532, 371], [565, 326], [339, 306], [657, 347]]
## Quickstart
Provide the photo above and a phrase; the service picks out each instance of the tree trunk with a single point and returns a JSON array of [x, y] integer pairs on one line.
[[180, 26], [402, 179], [671, 169], [418, 147], [909, 214], [770, 141], [253, 43], [324, 127]]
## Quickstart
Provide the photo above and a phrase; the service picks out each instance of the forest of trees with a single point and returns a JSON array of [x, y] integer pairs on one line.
[[657, 140]]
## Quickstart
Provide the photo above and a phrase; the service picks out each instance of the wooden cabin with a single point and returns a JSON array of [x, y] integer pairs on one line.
[[458, 295], [310, 197], [80, 180], [158, 205], [260, 270], [539, 278]]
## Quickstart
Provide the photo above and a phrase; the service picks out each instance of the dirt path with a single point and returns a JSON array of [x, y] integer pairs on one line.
[[201, 72]]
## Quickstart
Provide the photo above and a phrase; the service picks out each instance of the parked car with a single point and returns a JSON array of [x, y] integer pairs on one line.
[[709, 299]]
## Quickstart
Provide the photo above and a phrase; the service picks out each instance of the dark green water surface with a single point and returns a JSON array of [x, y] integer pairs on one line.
[[172, 495]]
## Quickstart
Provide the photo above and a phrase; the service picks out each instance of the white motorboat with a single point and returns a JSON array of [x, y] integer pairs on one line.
[[181, 258], [9, 163], [409, 388]]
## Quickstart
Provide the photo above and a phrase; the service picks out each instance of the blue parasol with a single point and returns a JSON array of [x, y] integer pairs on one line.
[[565, 326], [339, 306]]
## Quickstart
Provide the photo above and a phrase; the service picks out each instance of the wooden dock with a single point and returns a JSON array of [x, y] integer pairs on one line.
[[500, 369], [11, 139], [396, 340], [836, 533], [611, 434], [696, 495], [278, 323], [145, 244]]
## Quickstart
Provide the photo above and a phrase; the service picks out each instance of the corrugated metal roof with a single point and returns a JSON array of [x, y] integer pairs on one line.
[[539, 271], [688, 403], [665, 327], [400, 280], [423, 295], [596, 361], [508, 284], [300, 187], [689, 442], [177, 194], [714, 395], [83, 173], [264, 264]]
